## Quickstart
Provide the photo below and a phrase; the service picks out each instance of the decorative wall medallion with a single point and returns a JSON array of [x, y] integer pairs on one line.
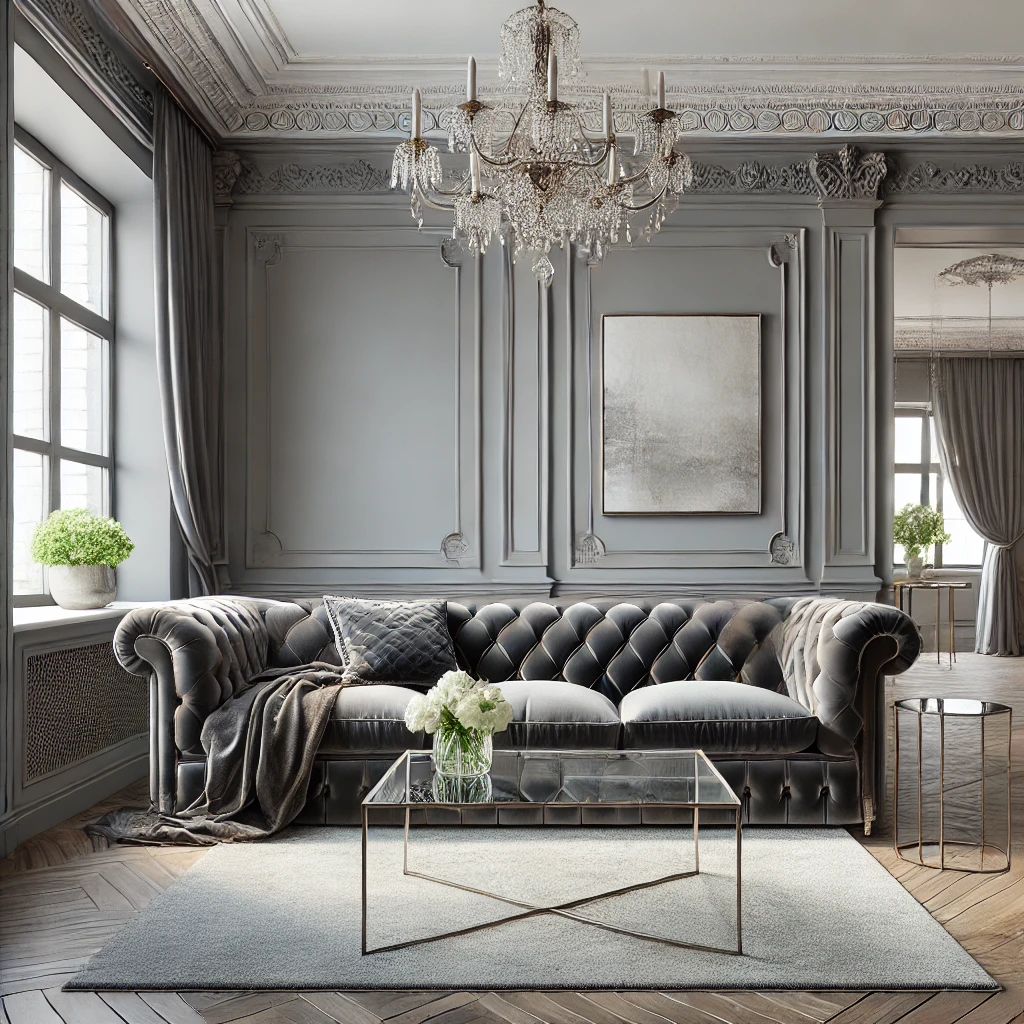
[[781, 251], [454, 547], [782, 549], [588, 549], [69, 27], [266, 548], [268, 249], [847, 174]]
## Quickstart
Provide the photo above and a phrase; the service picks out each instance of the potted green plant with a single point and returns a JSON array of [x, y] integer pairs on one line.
[[917, 528], [82, 551]]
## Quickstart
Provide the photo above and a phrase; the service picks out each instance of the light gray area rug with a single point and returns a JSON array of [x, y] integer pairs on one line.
[[818, 912]]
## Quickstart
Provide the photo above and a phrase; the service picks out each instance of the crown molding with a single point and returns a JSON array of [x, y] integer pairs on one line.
[[251, 84]]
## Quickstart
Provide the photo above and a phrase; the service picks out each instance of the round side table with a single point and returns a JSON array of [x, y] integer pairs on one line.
[[959, 767]]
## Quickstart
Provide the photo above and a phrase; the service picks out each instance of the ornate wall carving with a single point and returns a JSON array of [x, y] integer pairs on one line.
[[847, 174], [70, 28], [844, 174], [929, 177]]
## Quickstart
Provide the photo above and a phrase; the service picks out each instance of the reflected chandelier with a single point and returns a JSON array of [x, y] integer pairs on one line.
[[545, 182]]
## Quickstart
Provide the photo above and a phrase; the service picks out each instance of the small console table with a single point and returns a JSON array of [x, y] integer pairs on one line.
[[904, 593]]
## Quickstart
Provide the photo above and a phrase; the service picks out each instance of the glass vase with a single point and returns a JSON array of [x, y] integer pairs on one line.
[[462, 753]]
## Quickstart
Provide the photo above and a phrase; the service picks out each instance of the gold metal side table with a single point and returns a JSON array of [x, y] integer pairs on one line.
[[951, 823], [903, 591]]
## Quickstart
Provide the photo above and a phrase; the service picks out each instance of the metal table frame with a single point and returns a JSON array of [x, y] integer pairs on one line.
[[561, 909], [908, 586], [907, 706]]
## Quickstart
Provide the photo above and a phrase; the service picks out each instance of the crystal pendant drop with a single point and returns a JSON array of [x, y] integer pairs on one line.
[[544, 269]]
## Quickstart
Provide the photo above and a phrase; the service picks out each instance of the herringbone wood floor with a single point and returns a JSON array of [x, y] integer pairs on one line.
[[62, 897]]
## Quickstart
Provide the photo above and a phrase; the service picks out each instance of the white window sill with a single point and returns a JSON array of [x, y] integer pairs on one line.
[[52, 616]]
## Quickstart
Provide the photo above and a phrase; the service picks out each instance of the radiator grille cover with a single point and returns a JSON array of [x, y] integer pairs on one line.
[[78, 702]]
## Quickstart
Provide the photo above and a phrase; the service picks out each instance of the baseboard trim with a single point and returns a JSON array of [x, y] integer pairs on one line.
[[24, 822]]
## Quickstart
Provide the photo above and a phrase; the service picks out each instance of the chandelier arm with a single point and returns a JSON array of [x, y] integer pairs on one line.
[[645, 206], [642, 173], [427, 201], [459, 191]]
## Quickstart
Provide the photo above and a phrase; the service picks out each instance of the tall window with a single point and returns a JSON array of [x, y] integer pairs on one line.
[[62, 336], [919, 481]]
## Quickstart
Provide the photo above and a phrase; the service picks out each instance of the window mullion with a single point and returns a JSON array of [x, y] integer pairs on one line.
[[54, 377], [85, 458]]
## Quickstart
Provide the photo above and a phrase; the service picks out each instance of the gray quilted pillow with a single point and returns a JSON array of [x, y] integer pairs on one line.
[[392, 641]]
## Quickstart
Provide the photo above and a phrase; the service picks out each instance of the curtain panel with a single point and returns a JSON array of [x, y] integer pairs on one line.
[[188, 346], [979, 416]]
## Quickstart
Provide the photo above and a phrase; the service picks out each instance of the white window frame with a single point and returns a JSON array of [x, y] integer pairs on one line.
[[58, 306], [926, 468]]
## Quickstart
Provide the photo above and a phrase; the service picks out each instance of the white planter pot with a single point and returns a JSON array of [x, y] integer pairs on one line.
[[82, 586]]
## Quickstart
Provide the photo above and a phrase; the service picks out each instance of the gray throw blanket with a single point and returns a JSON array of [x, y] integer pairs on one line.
[[260, 748]]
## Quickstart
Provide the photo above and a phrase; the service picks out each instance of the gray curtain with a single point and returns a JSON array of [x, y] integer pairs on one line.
[[188, 349], [979, 416]]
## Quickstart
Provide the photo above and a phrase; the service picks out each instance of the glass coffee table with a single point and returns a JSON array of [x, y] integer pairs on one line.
[[557, 787]]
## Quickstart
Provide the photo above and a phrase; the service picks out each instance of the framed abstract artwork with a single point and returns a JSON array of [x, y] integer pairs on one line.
[[681, 414]]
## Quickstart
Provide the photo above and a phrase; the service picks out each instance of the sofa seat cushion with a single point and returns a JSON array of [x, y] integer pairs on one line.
[[555, 715], [370, 719], [716, 717]]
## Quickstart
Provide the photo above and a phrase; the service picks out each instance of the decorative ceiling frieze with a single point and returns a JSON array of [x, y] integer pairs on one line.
[[265, 90], [843, 174], [932, 178]]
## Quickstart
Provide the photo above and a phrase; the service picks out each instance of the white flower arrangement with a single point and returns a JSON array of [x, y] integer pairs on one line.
[[458, 702]]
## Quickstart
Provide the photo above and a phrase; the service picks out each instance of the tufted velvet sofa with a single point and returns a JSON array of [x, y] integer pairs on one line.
[[786, 696]]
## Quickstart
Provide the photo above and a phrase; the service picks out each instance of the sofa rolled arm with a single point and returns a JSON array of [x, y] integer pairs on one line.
[[837, 655], [200, 653]]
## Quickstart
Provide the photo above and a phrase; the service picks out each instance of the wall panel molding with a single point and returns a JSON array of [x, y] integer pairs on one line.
[[526, 421], [268, 546], [747, 543], [849, 329]]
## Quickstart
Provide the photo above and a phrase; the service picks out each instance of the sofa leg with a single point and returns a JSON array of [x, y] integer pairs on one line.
[[869, 814]]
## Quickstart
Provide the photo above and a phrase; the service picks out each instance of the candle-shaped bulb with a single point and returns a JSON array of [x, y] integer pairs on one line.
[[552, 77], [606, 120], [471, 80], [661, 90], [474, 171], [416, 125], [613, 164]]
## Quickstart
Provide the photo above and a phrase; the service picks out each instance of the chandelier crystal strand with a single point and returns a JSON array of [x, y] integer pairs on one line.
[[544, 183]]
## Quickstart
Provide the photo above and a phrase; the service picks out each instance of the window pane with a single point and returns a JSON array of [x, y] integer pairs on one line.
[[30, 392], [83, 250], [30, 504], [83, 389], [908, 439], [31, 215], [83, 486], [934, 439], [966, 547]]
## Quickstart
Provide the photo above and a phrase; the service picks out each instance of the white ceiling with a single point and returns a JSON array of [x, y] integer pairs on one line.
[[330, 28]]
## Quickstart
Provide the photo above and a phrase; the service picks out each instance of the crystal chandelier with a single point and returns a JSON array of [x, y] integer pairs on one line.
[[545, 183]]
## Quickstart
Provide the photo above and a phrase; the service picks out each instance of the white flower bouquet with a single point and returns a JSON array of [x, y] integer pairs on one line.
[[462, 714]]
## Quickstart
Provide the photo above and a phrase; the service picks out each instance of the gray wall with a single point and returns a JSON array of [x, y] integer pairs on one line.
[[397, 423], [142, 496]]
